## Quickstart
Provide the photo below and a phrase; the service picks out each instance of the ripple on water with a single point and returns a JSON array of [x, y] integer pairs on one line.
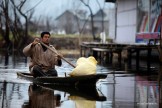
[[120, 89]]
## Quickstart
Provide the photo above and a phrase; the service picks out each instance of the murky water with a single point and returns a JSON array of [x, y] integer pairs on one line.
[[123, 89]]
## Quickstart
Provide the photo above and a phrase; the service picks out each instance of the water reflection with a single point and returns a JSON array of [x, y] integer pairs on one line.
[[123, 88], [85, 92], [12, 60], [12, 95], [42, 98], [45, 96], [147, 94]]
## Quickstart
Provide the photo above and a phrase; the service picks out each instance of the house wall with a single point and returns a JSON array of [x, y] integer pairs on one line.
[[111, 28], [67, 22], [98, 25], [70, 23], [126, 21]]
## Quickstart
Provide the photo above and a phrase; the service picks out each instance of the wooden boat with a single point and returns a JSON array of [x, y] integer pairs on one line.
[[26, 76], [88, 80]]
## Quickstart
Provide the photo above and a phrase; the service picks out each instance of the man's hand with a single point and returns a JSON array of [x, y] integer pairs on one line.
[[59, 56], [36, 40]]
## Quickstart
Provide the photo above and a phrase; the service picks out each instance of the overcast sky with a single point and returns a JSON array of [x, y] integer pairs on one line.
[[55, 7]]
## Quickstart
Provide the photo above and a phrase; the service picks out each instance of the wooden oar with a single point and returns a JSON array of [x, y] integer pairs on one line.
[[57, 54]]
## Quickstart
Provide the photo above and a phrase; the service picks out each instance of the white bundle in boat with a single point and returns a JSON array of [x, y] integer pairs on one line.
[[85, 66]]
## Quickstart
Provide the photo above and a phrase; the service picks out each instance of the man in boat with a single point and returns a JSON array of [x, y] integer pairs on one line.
[[43, 60]]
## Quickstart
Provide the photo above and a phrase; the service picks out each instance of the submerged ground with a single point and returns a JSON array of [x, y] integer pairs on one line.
[[125, 88]]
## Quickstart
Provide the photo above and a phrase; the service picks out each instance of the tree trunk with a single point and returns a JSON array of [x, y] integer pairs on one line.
[[92, 22], [7, 30]]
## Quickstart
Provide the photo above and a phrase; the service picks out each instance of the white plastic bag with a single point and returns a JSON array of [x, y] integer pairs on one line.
[[85, 66]]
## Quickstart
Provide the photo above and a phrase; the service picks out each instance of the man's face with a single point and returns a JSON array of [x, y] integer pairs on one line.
[[46, 38]]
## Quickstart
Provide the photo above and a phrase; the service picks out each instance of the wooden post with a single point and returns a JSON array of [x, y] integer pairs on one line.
[[95, 54], [81, 50], [137, 58], [119, 56], [148, 58], [160, 47], [129, 57]]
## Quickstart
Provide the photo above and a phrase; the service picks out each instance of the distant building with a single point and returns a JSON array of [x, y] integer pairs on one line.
[[136, 16], [67, 22], [101, 21], [73, 22]]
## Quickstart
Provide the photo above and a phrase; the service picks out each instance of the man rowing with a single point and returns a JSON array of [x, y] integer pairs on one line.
[[43, 60]]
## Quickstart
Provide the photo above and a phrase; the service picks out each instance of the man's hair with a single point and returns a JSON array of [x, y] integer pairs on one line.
[[43, 33]]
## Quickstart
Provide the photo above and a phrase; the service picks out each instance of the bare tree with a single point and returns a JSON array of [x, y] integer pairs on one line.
[[48, 23], [19, 8], [91, 16], [5, 14], [16, 27], [19, 11], [11, 14], [2, 31], [102, 14], [80, 18]]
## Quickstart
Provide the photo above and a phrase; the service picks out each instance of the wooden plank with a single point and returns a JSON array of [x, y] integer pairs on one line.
[[101, 49]]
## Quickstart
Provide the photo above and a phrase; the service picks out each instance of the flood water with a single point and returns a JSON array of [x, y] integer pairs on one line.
[[122, 89]]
